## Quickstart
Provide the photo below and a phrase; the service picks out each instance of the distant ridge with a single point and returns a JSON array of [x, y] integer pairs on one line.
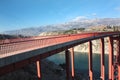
[[34, 31]]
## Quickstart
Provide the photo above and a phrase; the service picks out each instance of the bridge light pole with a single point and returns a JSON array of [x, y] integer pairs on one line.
[[102, 59], [90, 61]]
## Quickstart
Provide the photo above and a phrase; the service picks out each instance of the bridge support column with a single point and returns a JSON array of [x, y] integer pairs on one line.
[[118, 58], [90, 61], [68, 71], [38, 64], [102, 60], [111, 67], [72, 62]]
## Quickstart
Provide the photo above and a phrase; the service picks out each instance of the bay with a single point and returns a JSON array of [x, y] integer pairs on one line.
[[81, 62]]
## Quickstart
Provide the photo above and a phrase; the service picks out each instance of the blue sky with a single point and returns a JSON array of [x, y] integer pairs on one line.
[[17, 14]]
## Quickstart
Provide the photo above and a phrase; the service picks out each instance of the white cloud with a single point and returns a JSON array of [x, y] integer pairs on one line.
[[79, 18], [94, 14], [117, 8]]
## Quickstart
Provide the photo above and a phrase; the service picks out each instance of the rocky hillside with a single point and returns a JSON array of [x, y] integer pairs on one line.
[[81, 23], [95, 45], [72, 31]]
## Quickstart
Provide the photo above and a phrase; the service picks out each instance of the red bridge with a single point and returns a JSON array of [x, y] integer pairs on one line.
[[17, 53]]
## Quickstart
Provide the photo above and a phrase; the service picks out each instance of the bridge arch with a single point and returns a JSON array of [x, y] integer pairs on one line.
[[18, 53]]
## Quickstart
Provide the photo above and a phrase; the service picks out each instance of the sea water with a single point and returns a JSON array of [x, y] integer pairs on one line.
[[81, 62]]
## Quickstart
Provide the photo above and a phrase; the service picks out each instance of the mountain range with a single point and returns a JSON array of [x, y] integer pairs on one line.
[[81, 23]]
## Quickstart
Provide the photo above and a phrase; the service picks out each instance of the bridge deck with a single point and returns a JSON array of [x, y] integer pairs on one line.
[[17, 51], [33, 49]]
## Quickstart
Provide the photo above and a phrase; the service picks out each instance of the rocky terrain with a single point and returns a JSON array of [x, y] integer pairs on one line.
[[83, 48]]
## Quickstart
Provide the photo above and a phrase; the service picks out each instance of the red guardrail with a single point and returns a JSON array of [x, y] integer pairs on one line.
[[13, 45]]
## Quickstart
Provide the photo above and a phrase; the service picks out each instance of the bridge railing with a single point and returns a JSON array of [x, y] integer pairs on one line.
[[13, 45], [43, 37]]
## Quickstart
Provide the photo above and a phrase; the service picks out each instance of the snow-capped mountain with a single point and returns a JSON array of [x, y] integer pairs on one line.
[[84, 23]]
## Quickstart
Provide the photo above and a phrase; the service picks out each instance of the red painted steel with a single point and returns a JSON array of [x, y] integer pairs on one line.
[[68, 70], [72, 62], [111, 67], [90, 61], [17, 46], [116, 52], [102, 59], [38, 63], [118, 58], [11, 46], [48, 37]]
